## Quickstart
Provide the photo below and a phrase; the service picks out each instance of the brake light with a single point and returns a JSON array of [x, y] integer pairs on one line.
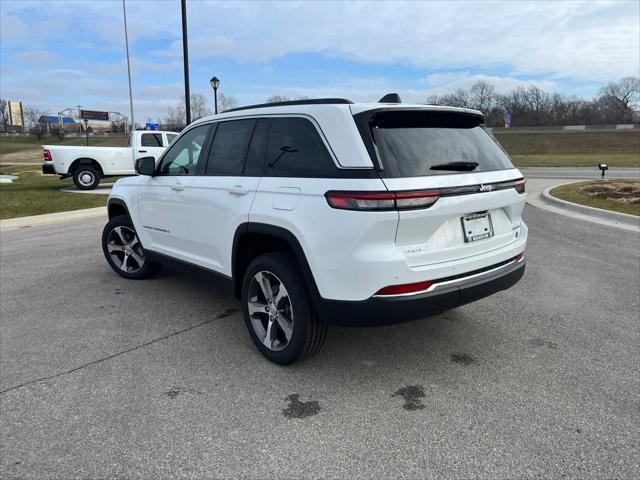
[[47, 155], [520, 257], [520, 185], [404, 289], [382, 200]]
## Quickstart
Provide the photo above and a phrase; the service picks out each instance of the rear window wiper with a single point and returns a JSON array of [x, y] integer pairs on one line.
[[456, 166]]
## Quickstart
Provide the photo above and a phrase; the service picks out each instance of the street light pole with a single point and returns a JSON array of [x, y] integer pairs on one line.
[[126, 41], [215, 83], [185, 58]]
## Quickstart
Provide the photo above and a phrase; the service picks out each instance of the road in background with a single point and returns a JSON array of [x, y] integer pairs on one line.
[[577, 173], [104, 377]]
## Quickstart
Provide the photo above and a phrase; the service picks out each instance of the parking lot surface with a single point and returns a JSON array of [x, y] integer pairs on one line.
[[107, 378]]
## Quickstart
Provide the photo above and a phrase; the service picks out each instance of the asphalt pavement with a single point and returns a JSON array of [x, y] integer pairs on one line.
[[101, 377]]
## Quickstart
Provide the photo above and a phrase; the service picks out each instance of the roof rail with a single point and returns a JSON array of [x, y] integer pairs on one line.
[[310, 101]]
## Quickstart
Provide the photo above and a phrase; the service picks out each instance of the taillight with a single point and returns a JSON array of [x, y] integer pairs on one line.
[[47, 155], [382, 200], [405, 289], [519, 257], [520, 185]]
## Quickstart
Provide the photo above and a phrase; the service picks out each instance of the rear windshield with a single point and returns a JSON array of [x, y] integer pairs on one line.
[[420, 143]]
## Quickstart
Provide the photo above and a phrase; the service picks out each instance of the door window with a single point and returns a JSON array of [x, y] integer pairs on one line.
[[229, 148], [170, 138], [295, 149], [183, 155], [151, 140]]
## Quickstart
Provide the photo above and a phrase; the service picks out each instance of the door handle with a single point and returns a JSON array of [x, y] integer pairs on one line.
[[142, 151], [238, 190], [177, 187]]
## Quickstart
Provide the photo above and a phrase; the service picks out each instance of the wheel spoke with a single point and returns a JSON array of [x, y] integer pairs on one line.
[[285, 324], [282, 293], [125, 260], [134, 241], [270, 335], [256, 307], [138, 258], [118, 231], [265, 285], [112, 247]]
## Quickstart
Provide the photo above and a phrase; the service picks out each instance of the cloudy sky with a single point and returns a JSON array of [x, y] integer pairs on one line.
[[61, 53]]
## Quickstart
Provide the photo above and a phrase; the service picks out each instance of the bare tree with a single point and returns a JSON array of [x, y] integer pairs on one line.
[[482, 96], [199, 106], [227, 102], [278, 98], [4, 115], [176, 118]]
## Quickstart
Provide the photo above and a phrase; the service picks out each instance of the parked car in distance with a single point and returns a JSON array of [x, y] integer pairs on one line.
[[327, 212], [87, 165]]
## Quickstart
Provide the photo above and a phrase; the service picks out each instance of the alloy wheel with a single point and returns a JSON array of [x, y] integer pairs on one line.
[[270, 311], [125, 249]]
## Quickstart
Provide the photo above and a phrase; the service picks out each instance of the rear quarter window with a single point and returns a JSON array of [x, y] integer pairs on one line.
[[295, 149], [421, 143]]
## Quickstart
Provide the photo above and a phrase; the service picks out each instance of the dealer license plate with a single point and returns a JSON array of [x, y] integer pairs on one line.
[[477, 226]]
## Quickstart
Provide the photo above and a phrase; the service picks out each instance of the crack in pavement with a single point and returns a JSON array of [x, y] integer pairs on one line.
[[224, 314]]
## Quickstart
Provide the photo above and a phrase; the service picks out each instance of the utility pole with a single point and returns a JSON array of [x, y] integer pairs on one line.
[[185, 57], [126, 41]]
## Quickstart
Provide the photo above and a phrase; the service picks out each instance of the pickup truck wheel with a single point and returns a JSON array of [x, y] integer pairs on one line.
[[277, 310], [86, 177], [123, 250]]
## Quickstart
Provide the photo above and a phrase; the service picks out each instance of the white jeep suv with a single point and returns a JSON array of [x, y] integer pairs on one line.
[[327, 212]]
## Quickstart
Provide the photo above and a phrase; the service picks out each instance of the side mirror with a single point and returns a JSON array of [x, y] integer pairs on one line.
[[146, 166]]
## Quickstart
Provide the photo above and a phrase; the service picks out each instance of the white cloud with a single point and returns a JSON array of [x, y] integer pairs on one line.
[[36, 58]]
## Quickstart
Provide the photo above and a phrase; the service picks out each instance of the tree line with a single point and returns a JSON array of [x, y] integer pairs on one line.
[[616, 103]]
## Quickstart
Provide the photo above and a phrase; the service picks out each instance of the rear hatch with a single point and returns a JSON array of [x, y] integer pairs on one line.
[[480, 193]]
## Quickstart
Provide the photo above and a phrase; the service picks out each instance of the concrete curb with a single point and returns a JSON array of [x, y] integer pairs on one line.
[[619, 218], [48, 218]]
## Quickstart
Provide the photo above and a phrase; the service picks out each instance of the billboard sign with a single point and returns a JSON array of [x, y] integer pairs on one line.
[[507, 120], [16, 116], [94, 115]]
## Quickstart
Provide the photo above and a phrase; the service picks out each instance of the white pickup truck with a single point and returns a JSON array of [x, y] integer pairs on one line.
[[87, 165]]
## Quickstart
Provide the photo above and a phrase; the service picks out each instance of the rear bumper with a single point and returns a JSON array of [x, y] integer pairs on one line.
[[48, 169], [389, 310]]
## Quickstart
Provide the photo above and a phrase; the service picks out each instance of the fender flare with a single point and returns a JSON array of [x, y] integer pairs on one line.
[[290, 239]]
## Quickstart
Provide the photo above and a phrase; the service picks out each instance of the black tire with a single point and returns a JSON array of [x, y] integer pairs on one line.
[[86, 177], [126, 262], [308, 333]]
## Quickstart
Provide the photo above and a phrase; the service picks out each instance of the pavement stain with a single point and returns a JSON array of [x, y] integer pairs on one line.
[[298, 409], [412, 395], [463, 359], [174, 391], [540, 342], [228, 312]]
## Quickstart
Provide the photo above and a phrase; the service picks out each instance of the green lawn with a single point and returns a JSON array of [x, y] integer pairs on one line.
[[572, 149], [33, 194], [618, 195], [10, 144]]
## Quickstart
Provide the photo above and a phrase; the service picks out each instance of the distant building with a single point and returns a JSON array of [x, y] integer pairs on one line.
[[47, 122]]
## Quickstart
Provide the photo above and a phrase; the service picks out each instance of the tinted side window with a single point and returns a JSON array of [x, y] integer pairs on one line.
[[170, 138], [254, 166], [151, 140], [229, 148], [182, 156], [295, 149]]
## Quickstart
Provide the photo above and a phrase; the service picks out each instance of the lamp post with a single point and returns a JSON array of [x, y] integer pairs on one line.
[[215, 83]]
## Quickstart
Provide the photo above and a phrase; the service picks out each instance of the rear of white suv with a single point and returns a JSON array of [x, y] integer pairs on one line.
[[326, 212]]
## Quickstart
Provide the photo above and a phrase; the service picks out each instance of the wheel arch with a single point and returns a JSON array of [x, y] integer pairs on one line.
[[85, 161], [253, 239], [116, 207]]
